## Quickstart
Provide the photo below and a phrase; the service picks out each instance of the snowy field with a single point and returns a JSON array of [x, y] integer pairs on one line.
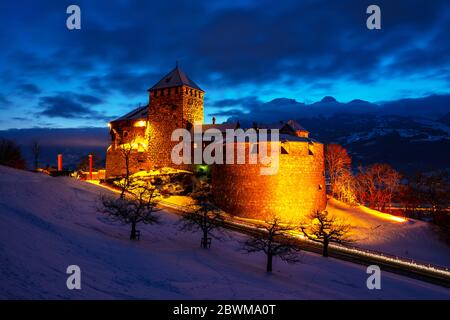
[[49, 223], [411, 239]]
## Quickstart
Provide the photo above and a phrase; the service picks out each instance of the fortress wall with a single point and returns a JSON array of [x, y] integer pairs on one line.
[[115, 163], [296, 190]]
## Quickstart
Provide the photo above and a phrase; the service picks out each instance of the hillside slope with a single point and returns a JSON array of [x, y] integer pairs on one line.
[[49, 223], [412, 239]]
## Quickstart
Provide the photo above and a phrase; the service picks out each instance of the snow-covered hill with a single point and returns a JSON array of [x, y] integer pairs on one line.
[[411, 239], [49, 223]]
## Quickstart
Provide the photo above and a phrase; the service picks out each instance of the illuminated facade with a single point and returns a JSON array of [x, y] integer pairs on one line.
[[177, 102]]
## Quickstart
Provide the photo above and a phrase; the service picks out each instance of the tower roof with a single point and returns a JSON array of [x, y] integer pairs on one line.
[[175, 78]]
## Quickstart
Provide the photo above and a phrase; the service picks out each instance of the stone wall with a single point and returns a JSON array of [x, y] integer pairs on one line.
[[296, 190], [125, 132], [171, 109], [115, 162]]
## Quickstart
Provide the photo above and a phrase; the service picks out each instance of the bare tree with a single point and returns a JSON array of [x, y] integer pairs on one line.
[[344, 188], [324, 228], [36, 152], [138, 207], [127, 148], [337, 163], [204, 217], [376, 185], [274, 242], [10, 154], [435, 190]]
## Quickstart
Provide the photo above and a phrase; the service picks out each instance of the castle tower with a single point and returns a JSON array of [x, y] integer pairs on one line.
[[175, 102]]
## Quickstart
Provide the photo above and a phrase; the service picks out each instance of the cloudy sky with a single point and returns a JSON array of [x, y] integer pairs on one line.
[[242, 53]]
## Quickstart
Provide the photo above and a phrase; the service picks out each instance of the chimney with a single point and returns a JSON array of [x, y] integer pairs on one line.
[[213, 120], [90, 167], [60, 166]]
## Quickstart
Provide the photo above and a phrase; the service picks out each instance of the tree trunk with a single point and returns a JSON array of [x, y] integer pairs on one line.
[[205, 239], [325, 247], [133, 231], [269, 263]]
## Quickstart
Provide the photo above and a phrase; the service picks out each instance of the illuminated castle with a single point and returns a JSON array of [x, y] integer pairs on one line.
[[177, 102]]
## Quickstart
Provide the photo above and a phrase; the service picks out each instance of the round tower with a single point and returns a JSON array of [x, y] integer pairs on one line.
[[297, 189]]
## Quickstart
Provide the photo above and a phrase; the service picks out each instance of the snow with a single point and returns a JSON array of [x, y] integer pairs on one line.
[[411, 239], [47, 224]]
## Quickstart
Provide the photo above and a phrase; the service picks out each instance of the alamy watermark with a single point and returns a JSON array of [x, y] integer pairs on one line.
[[211, 147], [73, 281], [73, 21], [374, 20], [374, 280]]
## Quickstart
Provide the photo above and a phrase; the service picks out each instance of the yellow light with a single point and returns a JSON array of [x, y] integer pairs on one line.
[[382, 215], [109, 125], [140, 123]]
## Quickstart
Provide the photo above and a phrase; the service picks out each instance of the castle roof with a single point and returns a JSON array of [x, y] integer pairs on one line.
[[295, 126], [222, 127], [137, 114], [290, 125], [175, 78]]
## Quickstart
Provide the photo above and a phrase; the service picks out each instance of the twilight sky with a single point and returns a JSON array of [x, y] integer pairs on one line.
[[242, 53]]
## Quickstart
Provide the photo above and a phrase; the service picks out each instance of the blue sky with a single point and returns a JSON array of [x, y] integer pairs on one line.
[[237, 51]]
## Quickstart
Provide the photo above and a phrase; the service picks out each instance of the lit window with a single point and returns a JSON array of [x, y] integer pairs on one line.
[[310, 149], [140, 123]]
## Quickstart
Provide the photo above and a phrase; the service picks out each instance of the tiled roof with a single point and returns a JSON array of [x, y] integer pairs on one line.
[[175, 78], [136, 114]]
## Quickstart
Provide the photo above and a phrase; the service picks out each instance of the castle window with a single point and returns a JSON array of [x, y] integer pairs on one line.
[[310, 149], [176, 90], [187, 91], [188, 125], [190, 92], [141, 147], [155, 93]]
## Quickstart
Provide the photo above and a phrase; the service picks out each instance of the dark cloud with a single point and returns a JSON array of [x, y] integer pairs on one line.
[[70, 106], [4, 102], [124, 47], [125, 82], [28, 89]]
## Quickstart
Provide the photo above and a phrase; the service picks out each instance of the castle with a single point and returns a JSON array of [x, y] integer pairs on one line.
[[177, 102]]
